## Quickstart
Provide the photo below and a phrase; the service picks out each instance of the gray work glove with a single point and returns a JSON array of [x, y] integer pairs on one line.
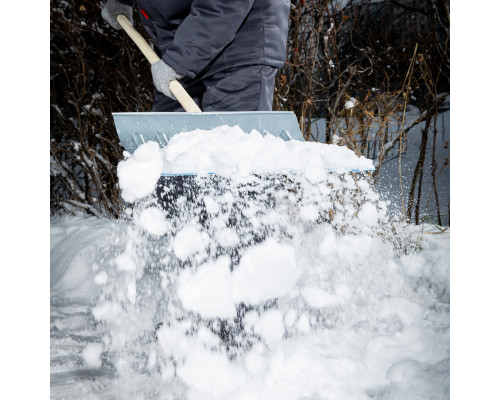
[[162, 75], [112, 8]]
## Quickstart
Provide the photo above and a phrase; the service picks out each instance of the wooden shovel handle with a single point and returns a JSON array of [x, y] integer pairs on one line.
[[175, 87]]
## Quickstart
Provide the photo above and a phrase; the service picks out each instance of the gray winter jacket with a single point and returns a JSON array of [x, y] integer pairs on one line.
[[201, 37]]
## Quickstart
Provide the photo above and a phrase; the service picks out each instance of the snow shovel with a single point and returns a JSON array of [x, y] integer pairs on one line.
[[137, 128]]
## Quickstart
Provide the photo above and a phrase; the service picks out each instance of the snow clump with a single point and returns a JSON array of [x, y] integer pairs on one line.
[[351, 103], [139, 173], [92, 354]]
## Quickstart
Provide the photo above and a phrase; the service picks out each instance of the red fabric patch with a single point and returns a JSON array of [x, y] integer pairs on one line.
[[144, 13]]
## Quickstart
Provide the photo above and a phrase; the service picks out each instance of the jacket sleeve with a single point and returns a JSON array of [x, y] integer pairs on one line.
[[204, 33]]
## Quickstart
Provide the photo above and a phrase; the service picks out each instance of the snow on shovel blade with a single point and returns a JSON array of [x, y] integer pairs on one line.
[[137, 128]]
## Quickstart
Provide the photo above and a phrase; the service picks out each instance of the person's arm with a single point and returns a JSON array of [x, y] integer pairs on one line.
[[205, 32]]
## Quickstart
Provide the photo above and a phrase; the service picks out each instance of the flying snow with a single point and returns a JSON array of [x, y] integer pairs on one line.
[[295, 284]]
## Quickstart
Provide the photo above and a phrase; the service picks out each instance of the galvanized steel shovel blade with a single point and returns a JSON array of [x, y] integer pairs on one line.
[[137, 128]]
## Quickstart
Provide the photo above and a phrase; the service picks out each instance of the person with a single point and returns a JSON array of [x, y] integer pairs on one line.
[[226, 53]]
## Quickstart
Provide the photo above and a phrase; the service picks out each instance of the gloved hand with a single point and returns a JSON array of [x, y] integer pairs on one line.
[[112, 8], [162, 75]]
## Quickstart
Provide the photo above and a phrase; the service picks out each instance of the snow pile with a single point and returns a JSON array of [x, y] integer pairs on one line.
[[228, 151], [293, 286]]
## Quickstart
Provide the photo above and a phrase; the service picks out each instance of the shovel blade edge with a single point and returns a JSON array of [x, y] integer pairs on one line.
[[137, 128]]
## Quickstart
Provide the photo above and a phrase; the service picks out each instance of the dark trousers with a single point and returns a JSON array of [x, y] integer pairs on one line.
[[247, 88]]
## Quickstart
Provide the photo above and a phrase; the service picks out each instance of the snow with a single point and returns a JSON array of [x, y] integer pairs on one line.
[[309, 213], [198, 372], [139, 173], [226, 237], [317, 298], [101, 278], [228, 151], [92, 354], [196, 291], [270, 326], [266, 271], [316, 295], [351, 103], [368, 214], [153, 220], [188, 242]]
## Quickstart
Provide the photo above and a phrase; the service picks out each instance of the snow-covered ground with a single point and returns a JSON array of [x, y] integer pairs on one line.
[[291, 286]]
